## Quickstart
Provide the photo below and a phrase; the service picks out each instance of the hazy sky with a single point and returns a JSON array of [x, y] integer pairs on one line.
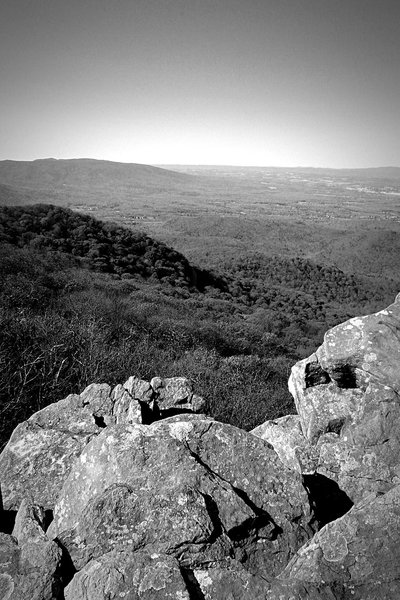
[[251, 82]]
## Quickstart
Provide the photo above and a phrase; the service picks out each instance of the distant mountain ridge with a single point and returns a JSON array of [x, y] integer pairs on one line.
[[50, 172]]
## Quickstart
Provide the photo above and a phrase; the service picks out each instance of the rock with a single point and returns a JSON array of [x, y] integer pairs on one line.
[[358, 554], [175, 394], [137, 575], [30, 564], [364, 349], [98, 402], [286, 437], [139, 389], [228, 582], [9, 563], [199, 490], [347, 398], [139, 401], [126, 408], [41, 451]]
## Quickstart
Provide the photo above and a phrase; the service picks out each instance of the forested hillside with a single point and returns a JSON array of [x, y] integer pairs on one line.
[[102, 246], [84, 301]]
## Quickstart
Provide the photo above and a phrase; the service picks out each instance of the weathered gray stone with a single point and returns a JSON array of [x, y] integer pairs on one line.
[[230, 581], [347, 398], [126, 408], [293, 448], [39, 455], [29, 562], [187, 507], [139, 389], [142, 575], [358, 554], [41, 450], [201, 490], [364, 349], [139, 401], [176, 393]]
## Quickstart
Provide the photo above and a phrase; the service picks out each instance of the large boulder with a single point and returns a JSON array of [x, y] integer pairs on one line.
[[198, 490], [41, 451], [347, 395]]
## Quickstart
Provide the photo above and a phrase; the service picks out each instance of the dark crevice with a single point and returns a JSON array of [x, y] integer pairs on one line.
[[149, 415], [99, 420], [48, 518], [67, 569], [328, 502], [204, 465], [335, 425], [345, 377], [213, 512], [183, 401], [315, 375], [152, 413], [7, 521], [254, 525], [192, 585], [261, 520]]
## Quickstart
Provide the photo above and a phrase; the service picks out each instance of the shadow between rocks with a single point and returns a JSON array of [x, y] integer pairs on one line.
[[192, 585], [7, 521], [328, 502]]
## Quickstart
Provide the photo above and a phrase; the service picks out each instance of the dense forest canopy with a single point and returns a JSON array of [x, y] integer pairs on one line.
[[84, 301]]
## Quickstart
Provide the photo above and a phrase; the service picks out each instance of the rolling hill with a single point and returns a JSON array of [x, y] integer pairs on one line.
[[50, 173]]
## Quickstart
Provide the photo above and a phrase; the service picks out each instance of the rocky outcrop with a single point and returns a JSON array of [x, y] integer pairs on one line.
[[40, 454], [195, 489], [149, 503], [347, 397]]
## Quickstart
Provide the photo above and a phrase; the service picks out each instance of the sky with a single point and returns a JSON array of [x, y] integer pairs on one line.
[[249, 82]]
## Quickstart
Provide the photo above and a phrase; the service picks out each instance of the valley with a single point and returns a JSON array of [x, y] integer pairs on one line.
[[348, 218]]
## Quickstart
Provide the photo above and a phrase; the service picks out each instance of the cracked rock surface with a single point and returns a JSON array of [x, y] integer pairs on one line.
[[199, 490]]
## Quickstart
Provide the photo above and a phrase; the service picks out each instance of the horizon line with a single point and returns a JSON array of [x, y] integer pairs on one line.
[[224, 165]]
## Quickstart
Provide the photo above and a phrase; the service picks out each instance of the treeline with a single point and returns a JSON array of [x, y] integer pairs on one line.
[[101, 246]]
